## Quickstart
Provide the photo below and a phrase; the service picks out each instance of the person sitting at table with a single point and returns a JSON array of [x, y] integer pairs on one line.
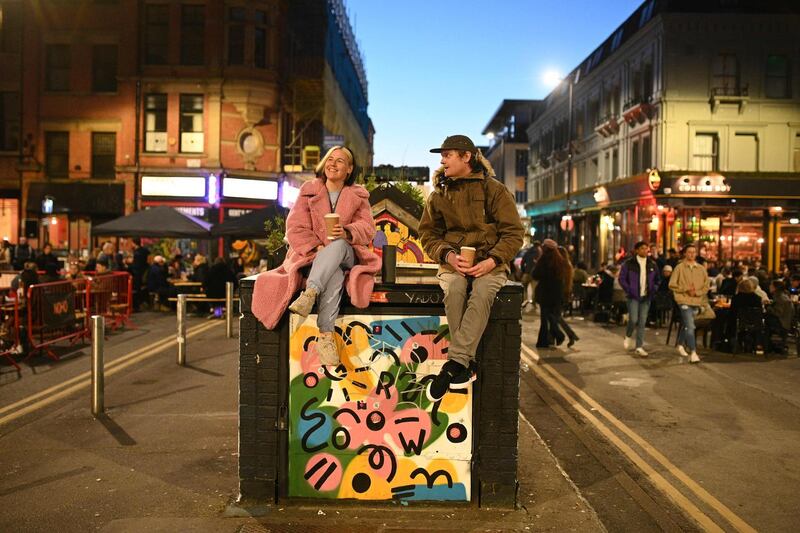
[[73, 271], [729, 284], [50, 273], [157, 284], [780, 314], [758, 290], [214, 286], [200, 268], [29, 276], [794, 284], [176, 269], [745, 298]]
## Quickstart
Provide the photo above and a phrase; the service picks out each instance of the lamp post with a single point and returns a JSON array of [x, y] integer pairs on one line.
[[570, 223]]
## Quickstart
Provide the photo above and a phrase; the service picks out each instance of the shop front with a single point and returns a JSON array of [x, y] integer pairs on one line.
[[734, 217], [62, 213]]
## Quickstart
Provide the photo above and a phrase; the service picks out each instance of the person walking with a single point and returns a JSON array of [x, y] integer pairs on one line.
[[549, 274], [334, 191], [689, 285], [567, 275], [639, 279], [468, 207]]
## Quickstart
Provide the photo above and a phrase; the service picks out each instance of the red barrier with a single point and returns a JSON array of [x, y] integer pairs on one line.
[[111, 295], [9, 328], [57, 311]]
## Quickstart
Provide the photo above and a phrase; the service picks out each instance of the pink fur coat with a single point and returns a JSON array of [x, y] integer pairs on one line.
[[305, 230]]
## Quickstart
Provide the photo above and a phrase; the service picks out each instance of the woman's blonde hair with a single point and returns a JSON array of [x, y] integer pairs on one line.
[[320, 168]]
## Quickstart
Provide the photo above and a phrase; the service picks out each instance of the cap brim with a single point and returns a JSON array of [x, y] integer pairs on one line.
[[437, 150]]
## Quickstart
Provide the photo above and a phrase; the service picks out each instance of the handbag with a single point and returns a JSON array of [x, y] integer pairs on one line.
[[706, 313]]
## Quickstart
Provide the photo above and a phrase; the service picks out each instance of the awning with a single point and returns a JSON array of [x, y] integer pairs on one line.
[[78, 198], [157, 222]]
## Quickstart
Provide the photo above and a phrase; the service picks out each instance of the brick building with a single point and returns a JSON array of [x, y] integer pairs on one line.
[[109, 106]]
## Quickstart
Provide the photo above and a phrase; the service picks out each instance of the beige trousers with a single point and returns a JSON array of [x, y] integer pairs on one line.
[[468, 311]]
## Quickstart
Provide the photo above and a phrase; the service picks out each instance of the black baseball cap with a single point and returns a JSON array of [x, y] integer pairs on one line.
[[456, 142]]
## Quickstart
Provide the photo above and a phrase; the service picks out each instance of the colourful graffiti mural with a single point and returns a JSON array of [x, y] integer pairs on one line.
[[365, 430], [392, 231]]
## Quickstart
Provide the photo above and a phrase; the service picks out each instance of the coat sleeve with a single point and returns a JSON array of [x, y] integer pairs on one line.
[[299, 229], [509, 225], [362, 226], [623, 278], [431, 231], [675, 281]]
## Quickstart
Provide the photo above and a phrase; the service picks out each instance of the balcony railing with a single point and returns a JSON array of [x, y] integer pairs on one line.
[[737, 94], [637, 110], [607, 125]]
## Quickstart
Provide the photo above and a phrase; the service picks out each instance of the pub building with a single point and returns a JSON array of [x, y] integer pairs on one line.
[[730, 216], [218, 196]]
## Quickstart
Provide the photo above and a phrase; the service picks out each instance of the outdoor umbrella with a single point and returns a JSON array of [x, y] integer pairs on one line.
[[249, 226], [161, 221]]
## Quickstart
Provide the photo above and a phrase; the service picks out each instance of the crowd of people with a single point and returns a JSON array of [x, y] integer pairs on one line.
[[643, 286], [153, 275]]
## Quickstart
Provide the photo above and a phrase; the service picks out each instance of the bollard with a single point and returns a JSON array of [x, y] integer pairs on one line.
[[98, 335], [181, 329], [229, 309]]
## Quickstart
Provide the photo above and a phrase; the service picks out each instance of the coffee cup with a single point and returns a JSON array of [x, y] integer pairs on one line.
[[468, 254], [331, 220]]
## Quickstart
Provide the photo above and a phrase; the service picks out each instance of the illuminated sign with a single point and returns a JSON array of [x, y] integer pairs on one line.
[[233, 213], [654, 180], [601, 196], [188, 187], [47, 205], [255, 189], [708, 184], [193, 211], [288, 194]]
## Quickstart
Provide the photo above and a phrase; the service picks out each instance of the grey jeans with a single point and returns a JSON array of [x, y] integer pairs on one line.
[[327, 277], [468, 313]]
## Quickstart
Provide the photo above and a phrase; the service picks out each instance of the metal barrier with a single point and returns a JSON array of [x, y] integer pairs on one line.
[[9, 329], [111, 296], [56, 312]]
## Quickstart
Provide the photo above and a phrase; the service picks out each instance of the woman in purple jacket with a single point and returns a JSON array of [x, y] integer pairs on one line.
[[639, 280]]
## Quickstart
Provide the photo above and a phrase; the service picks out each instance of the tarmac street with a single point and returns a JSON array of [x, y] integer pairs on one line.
[[607, 442]]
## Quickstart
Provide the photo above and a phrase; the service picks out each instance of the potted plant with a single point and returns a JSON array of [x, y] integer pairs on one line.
[[274, 243]]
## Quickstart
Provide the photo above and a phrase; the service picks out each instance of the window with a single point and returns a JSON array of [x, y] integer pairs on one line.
[[9, 121], [778, 82], [191, 123], [56, 154], [521, 162], [744, 152], [236, 20], [797, 152], [647, 154], [155, 123], [726, 75], [636, 86], [156, 34], [635, 161], [192, 30], [10, 27], [614, 164], [104, 68], [521, 196], [104, 155], [260, 35], [57, 67], [706, 152], [647, 89]]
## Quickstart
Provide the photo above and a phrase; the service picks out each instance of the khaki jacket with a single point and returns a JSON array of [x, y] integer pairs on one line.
[[476, 210], [684, 277]]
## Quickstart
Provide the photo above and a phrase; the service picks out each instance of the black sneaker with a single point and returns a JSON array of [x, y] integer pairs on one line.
[[464, 378], [438, 386]]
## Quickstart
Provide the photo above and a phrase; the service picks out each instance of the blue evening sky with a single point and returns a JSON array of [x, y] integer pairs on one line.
[[439, 67]]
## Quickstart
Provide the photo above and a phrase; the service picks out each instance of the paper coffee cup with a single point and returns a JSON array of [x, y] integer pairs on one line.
[[468, 253], [331, 219]]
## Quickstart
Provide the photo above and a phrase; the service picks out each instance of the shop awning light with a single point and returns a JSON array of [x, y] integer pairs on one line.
[[794, 221], [760, 240], [780, 239]]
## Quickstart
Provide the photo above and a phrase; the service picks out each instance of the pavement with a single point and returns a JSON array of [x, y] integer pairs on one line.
[[164, 455]]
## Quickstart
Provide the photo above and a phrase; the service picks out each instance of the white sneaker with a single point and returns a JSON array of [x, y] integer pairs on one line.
[[682, 351], [641, 352], [628, 343], [694, 358]]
